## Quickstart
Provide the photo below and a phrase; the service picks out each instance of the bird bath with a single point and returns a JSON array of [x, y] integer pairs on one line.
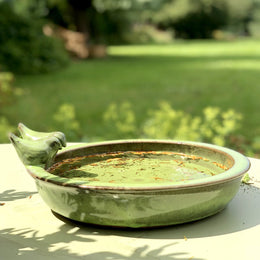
[[131, 183]]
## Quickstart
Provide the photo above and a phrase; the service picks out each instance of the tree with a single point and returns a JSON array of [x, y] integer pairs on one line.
[[23, 46], [199, 18], [100, 21], [241, 14], [79, 10], [191, 19]]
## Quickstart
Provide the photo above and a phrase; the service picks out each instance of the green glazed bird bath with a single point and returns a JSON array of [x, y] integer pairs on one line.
[[131, 183]]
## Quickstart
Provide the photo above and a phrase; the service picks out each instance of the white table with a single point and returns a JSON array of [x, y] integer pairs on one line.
[[29, 230]]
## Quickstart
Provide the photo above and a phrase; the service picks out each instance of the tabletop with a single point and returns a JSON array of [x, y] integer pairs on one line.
[[30, 230]]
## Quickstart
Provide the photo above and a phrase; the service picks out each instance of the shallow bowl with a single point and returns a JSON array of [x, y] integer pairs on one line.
[[203, 180]]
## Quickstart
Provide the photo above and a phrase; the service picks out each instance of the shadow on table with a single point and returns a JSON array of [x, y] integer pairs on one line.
[[72, 240], [242, 213], [28, 244], [144, 253], [11, 195], [72, 237]]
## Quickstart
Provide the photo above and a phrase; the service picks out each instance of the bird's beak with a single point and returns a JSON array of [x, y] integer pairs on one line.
[[61, 137], [63, 142], [12, 138]]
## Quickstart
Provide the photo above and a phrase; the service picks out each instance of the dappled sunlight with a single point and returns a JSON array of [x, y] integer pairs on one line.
[[69, 241]]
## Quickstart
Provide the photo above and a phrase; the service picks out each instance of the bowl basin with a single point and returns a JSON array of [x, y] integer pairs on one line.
[[140, 183]]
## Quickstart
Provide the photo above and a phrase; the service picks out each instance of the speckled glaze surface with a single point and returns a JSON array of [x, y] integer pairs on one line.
[[136, 204]]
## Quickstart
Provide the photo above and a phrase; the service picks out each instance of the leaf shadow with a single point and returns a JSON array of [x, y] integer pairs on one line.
[[12, 195], [27, 244]]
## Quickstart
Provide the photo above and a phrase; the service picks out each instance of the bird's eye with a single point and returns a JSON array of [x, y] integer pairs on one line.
[[55, 144]]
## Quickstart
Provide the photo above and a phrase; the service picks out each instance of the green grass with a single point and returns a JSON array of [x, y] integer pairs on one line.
[[188, 75]]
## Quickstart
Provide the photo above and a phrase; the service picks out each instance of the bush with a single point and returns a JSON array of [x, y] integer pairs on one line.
[[6, 90], [214, 126], [200, 24], [5, 128], [7, 97], [191, 19], [23, 46], [120, 121], [65, 120], [195, 26]]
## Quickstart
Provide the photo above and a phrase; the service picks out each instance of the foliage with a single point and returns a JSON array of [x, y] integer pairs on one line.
[[199, 19], [29, 8], [23, 46], [167, 123], [108, 26], [148, 34], [188, 75], [104, 22], [6, 90], [121, 120], [114, 21], [214, 126], [5, 128], [65, 120], [191, 19], [7, 97]]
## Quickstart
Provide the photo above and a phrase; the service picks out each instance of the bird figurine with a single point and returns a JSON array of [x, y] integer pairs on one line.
[[37, 148], [30, 134]]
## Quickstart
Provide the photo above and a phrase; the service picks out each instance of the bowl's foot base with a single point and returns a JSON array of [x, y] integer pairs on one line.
[[85, 224]]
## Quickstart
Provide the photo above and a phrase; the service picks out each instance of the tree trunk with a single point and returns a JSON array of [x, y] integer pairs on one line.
[[79, 11], [83, 23]]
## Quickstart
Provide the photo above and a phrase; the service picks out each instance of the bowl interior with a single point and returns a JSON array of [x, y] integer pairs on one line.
[[147, 164]]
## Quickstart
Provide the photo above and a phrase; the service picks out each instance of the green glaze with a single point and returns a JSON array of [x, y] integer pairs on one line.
[[136, 209], [37, 148], [29, 134], [177, 182]]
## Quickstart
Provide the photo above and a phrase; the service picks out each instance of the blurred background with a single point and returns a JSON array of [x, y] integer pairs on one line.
[[115, 69]]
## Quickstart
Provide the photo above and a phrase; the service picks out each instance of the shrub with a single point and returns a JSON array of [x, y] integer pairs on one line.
[[7, 97], [120, 120], [6, 90], [200, 23], [65, 120], [214, 126], [23, 46], [5, 128], [191, 19]]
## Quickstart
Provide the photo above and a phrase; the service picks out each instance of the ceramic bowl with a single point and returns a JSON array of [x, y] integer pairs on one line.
[[132, 183]]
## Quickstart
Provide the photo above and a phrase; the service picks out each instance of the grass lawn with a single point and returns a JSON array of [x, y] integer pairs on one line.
[[188, 75]]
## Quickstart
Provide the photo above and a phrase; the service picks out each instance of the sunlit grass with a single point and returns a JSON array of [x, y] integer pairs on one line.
[[191, 49], [188, 75]]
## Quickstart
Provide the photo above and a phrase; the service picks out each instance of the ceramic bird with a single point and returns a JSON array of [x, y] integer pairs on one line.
[[36, 152], [29, 134]]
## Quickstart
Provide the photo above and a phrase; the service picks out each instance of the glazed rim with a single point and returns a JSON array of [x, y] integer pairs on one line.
[[240, 166]]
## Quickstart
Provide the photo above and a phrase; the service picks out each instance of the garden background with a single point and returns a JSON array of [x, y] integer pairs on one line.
[[115, 69]]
